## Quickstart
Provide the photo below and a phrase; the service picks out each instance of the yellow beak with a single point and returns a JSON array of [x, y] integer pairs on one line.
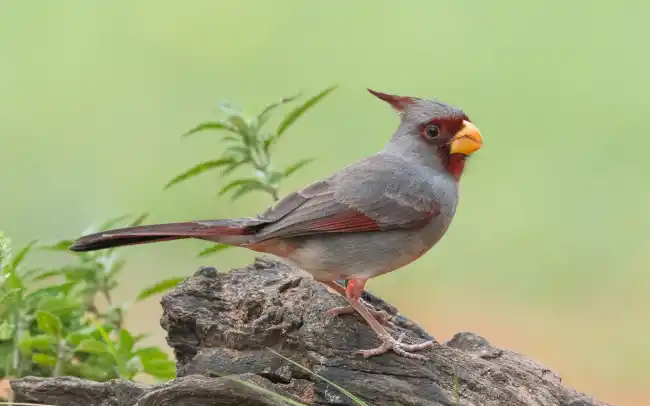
[[466, 141]]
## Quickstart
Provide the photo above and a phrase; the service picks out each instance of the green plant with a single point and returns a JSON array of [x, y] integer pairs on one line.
[[59, 329], [249, 145]]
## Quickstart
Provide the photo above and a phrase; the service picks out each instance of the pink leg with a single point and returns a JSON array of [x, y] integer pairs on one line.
[[353, 294], [384, 318]]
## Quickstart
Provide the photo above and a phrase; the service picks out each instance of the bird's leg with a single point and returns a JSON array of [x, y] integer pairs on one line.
[[353, 293], [383, 317]]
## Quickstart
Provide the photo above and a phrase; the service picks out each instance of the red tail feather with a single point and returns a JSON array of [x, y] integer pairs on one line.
[[208, 230]]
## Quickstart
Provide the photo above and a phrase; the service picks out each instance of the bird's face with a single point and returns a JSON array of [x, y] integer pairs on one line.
[[434, 132]]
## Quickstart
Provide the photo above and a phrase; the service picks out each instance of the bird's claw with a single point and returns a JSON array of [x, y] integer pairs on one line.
[[380, 315], [405, 350]]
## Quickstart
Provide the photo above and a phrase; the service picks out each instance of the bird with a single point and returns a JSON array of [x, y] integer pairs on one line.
[[371, 217]]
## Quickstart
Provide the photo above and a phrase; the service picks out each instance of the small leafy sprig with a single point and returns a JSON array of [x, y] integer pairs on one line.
[[60, 330], [250, 144]]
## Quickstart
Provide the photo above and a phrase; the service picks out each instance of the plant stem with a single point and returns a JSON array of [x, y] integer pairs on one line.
[[93, 309], [18, 336], [274, 194], [60, 352], [107, 295]]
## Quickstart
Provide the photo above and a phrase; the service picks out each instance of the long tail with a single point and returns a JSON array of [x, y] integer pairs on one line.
[[231, 231]]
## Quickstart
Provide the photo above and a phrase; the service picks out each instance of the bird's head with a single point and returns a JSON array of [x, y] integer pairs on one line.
[[434, 133]]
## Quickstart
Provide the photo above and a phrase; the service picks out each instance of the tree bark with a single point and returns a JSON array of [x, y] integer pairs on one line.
[[226, 328]]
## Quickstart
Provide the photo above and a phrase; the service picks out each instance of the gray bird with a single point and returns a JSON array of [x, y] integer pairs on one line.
[[372, 217]]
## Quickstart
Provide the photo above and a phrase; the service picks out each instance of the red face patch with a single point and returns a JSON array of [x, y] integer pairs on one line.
[[439, 132], [446, 128]]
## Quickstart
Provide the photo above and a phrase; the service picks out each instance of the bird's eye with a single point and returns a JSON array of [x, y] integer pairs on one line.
[[431, 131]]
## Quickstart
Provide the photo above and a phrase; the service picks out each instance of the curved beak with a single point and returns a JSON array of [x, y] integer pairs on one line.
[[467, 140]]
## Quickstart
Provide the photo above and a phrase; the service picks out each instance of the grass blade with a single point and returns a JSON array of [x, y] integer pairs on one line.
[[21, 255], [213, 249], [296, 166], [264, 391], [110, 223], [197, 170], [264, 115], [210, 125], [355, 399], [139, 220], [296, 113], [249, 182], [159, 287]]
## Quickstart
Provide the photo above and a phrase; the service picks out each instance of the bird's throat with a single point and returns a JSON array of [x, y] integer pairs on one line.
[[455, 165]]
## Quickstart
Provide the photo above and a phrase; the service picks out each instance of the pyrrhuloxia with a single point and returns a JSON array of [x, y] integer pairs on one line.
[[372, 217]]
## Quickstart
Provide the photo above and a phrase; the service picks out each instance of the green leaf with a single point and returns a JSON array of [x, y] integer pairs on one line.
[[159, 368], [52, 291], [115, 268], [267, 141], [150, 353], [29, 274], [237, 153], [254, 183], [159, 287], [241, 126], [48, 323], [71, 273], [92, 346], [41, 342], [243, 189], [198, 169], [5, 250], [233, 166], [21, 255], [229, 109], [62, 245], [213, 249], [64, 307], [126, 343], [139, 220], [133, 366], [289, 170], [210, 125], [110, 223], [6, 350], [265, 114], [101, 331], [296, 113], [230, 138], [12, 280], [6, 329], [76, 337], [10, 296], [54, 299], [274, 177], [44, 360], [46, 274]]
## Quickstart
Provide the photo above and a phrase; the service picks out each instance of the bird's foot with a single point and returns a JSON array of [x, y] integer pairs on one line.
[[383, 317], [399, 348]]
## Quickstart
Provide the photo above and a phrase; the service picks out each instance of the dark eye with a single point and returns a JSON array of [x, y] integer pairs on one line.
[[431, 131]]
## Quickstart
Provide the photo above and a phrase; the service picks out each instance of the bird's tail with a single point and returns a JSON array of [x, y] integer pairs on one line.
[[231, 231]]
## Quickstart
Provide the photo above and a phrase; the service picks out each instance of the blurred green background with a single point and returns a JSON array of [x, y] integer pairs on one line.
[[549, 251]]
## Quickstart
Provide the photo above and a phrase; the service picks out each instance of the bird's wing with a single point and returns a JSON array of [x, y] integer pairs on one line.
[[377, 193]]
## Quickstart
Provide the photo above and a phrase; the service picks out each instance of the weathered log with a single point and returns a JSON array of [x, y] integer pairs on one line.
[[228, 327]]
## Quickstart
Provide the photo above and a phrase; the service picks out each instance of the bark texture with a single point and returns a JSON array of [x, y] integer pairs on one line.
[[226, 328]]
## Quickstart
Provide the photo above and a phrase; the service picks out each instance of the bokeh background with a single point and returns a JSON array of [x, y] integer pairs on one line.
[[549, 251]]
